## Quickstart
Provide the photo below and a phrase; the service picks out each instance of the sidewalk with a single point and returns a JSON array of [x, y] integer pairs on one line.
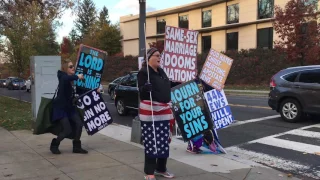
[[27, 156]]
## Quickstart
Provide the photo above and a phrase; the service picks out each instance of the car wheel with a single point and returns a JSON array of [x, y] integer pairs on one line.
[[112, 94], [121, 108], [290, 110]]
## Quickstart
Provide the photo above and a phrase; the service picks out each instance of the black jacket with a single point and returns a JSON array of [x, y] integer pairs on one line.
[[161, 85], [65, 95]]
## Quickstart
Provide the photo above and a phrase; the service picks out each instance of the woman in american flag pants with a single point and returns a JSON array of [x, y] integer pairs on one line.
[[155, 115]]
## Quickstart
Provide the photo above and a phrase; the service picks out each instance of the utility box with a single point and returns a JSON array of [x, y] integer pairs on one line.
[[44, 80]]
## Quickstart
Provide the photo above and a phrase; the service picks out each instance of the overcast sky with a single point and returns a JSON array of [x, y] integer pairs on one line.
[[119, 8]]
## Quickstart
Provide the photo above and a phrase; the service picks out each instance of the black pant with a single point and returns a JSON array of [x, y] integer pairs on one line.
[[67, 129], [152, 164]]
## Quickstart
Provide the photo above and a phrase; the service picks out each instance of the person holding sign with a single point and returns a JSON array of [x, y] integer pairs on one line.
[[64, 110], [155, 115]]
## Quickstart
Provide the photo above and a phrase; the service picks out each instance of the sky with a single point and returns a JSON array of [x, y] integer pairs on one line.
[[116, 9]]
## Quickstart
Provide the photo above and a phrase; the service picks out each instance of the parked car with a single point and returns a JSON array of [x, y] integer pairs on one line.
[[17, 83], [2, 83], [8, 80], [295, 92], [28, 84], [126, 94], [112, 85]]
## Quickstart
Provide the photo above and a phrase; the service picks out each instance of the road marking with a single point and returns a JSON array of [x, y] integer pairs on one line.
[[247, 106], [287, 144], [304, 133], [266, 159], [237, 123], [15, 99], [276, 160]]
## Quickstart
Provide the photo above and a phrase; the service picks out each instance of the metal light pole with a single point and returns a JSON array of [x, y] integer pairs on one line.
[[142, 21], [136, 124]]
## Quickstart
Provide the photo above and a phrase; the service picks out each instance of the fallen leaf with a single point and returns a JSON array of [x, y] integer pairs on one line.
[[317, 153], [8, 175], [289, 175], [213, 165]]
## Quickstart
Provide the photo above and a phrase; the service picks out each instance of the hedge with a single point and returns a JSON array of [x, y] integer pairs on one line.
[[250, 67]]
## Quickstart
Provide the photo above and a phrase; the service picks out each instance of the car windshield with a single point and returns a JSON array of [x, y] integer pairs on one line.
[[18, 80]]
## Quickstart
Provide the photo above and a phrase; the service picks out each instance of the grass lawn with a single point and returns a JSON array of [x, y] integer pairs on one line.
[[15, 114]]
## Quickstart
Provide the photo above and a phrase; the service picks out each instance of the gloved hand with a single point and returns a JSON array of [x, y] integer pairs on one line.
[[147, 87]]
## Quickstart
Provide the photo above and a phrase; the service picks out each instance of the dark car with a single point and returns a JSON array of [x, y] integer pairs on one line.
[[8, 80], [126, 94], [2, 83], [295, 92], [17, 83], [112, 85]]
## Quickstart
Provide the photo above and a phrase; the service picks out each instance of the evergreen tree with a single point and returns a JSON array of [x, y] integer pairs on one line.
[[104, 16], [86, 18]]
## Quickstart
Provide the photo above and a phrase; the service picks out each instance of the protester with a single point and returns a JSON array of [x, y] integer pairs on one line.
[[155, 115], [64, 109]]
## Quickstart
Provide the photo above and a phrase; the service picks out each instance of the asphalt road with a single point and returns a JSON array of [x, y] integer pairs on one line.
[[258, 132]]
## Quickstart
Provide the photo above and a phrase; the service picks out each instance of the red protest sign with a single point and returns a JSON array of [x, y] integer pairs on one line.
[[180, 54]]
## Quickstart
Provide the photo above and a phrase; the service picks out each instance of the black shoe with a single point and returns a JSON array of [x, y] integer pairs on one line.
[[77, 147], [54, 147]]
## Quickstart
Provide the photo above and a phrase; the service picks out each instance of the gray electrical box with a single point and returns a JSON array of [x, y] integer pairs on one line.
[[44, 80]]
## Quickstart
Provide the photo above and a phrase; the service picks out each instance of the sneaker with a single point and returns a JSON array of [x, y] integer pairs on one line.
[[213, 147], [193, 150], [164, 174], [150, 177]]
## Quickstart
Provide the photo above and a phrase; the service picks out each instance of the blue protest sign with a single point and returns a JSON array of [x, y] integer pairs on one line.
[[216, 99], [90, 63], [222, 117], [96, 115], [190, 110]]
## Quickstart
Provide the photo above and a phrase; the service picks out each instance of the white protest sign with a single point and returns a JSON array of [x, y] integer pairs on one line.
[[180, 54], [216, 99]]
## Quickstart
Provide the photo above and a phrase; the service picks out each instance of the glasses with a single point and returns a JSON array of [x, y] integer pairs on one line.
[[71, 67], [156, 55]]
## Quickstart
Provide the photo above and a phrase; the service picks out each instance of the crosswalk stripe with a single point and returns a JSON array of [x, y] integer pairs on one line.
[[287, 144], [293, 151], [305, 133]]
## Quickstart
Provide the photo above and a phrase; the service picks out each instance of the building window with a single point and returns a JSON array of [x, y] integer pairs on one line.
[[184, 21], [233, 14], [311, 2], [232, 41], [265, 9], [206, 44], [265, 38], [206, 19], [161, 26]]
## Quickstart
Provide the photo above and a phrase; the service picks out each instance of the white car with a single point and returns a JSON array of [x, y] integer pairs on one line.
[[28, 84]]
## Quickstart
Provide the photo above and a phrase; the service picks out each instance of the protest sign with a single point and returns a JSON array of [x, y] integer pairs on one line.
[[216, 69], [190, 110], [180, 54], [222, 117], [216, 99], [219, 109], [140, 62], [96, 114], [90, 63]]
